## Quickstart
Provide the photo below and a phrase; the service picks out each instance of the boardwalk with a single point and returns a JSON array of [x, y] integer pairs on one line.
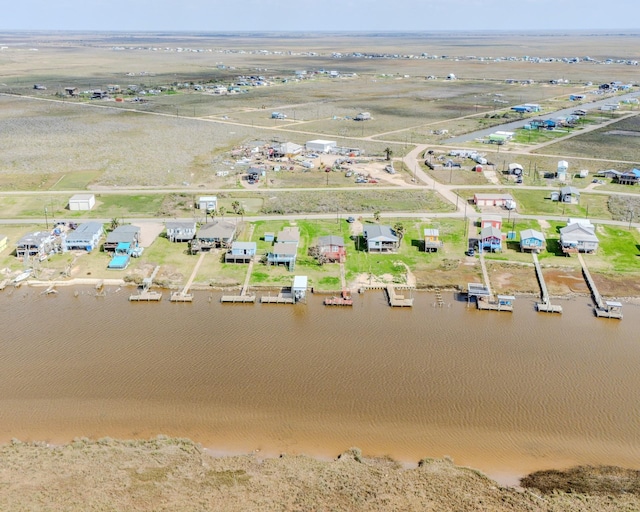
[[184, 295], [603, 309], [545, 305], [485, 274]]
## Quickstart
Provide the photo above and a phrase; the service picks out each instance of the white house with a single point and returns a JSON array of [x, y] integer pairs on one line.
[[321, 146], [82, 202]]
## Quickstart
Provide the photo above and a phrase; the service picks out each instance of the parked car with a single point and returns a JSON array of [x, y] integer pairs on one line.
[[470, 252], [579, 112], [351, 220]]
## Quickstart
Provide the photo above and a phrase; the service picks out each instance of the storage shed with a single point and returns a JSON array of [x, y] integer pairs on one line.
[[299, 288], [208, 203], [82, 202]]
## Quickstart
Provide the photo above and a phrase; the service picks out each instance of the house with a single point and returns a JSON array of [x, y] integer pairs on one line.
[[531, 240], [289, 235], [320, 146], [126, 233], [432, 240], [241, 252], [208, 203], [490, 238], [578, 237], [570, 195], [563, 167], [283, 253], [363, 116], [219, 233], [380, 238], [3, 242], [533, 107], [609, 173], [494, 221], [628, 178], [181, 231], [521, 109], [82, 202], [492, 199], [85, 237], [71, 91], [35, 244], [332, 248]]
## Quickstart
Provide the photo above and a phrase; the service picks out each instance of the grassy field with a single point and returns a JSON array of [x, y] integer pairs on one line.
[[616, 141]]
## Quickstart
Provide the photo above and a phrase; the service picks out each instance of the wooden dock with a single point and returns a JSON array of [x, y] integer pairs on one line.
[[396, 300], [603, 309], [504, 303], [439, 299], [184, 295], [235, 299], [344, 299], [281, 298], [146, 296], [243, 298], [545, 305]]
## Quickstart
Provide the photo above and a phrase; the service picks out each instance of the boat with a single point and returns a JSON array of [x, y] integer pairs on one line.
[[23, 276]]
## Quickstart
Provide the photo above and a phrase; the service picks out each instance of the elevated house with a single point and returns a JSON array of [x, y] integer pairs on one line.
[[490, 239], [432, 240], [628, 178], [532, 240], [490, 199], [37, 244], [219, 233], [181, 231], [122, 234], [570, 195], [241, 252], [380, 238], [85, 237], [332, 248], [578, 237], [283, 254]]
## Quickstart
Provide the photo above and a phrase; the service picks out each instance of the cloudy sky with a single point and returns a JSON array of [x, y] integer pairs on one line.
[[324, 15]]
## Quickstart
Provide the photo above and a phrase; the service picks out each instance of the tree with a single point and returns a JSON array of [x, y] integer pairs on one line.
[[376, 215], [388, 152], [236, 206], [241, 213], [221, 211], [115, 222], [398, 227]]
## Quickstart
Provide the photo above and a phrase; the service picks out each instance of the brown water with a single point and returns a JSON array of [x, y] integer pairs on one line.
[[506, 393]]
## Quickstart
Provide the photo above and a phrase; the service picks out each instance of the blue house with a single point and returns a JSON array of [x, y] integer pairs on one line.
[[532, 240], [521, 109], [85, 237], [240, 252], [283, 253], [490, 238]]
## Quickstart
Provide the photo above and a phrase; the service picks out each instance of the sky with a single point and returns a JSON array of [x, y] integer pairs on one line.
[[320, 15]]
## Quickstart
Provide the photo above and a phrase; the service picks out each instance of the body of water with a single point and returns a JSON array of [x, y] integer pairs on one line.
[[505, 393]]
